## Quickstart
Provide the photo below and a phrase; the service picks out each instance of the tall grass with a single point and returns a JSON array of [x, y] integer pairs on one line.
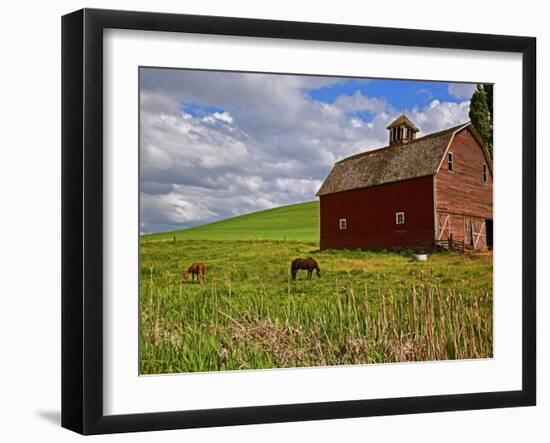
[[242, 319]]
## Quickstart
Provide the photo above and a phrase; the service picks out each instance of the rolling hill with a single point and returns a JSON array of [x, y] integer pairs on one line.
[[298, 222]]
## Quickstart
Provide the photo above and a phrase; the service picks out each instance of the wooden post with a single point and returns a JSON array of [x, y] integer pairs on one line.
[[450, 241]]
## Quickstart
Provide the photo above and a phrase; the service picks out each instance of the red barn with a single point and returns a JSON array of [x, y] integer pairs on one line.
[[412, 193]]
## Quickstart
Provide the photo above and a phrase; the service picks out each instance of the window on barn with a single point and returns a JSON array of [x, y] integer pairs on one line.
[[450, 161], [399, 218], [343, 223], [485, 173]]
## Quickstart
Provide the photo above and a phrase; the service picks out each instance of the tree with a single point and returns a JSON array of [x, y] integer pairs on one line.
[[488, 88], [481, 114]]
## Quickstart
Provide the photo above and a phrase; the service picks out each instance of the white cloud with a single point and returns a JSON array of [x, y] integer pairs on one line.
[[461, 90], [440, 115], [171, 209], [359, 102], [219, 116], [356, 122]]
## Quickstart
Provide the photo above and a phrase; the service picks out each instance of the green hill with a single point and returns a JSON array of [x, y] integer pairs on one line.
[[293, 222]]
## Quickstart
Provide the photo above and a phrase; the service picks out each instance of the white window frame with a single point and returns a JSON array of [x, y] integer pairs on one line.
[[343, 224], [484, 174], [450, 162], [397, 216]]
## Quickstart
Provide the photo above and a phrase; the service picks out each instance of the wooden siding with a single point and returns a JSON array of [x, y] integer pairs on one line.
[[370, 216], [463, 191], [463, 200]]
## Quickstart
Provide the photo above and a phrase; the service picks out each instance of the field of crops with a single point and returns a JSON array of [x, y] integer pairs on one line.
[[367, 307]]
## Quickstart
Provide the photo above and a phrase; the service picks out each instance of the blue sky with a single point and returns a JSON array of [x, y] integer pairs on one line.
[[218, 144], [198, 110], [401, 94]]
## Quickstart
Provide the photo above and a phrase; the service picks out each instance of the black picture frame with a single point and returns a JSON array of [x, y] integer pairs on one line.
[[82, 218]]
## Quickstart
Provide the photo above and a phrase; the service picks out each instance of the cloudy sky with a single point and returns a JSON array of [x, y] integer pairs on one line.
[[218, 144]]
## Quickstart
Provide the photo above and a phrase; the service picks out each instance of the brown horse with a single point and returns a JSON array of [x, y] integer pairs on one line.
[[304, 263], [196, 269]]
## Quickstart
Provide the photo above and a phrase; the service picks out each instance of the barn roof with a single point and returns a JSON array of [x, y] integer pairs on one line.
[[417, 158], [402, 120]]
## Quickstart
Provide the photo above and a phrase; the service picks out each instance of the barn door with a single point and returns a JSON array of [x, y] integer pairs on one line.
[[444, 223], [468, 238], [479, 233]]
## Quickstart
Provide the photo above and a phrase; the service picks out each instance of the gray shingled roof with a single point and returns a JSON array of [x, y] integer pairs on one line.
[[416, 158]]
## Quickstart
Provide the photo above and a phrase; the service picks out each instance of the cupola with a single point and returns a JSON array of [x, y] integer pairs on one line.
[[402, 130]]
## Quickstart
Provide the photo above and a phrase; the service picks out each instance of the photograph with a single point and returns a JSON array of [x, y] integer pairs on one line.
[[299, 220], [271, 222]]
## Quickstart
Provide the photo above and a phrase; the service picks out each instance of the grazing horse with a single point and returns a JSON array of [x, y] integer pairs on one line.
[[196, 269], [304, 263]]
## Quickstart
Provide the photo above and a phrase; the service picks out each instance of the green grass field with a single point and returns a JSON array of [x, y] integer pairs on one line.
[[367, 307], [298, 222]]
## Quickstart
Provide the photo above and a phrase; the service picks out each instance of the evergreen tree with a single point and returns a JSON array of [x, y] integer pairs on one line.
[[481, 115], [488, 88]]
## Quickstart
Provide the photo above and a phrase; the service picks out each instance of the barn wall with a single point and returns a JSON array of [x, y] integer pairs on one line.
[[370, 214], [463, 190], [463, 200]]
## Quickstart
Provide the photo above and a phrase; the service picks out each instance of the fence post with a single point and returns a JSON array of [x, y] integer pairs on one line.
[[450, 241]]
